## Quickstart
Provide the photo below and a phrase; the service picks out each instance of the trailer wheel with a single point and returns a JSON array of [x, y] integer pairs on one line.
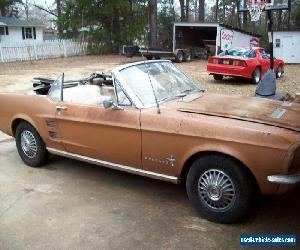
[[179, 57], [187, 56]]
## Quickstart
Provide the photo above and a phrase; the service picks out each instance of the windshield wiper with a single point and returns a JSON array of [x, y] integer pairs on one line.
[[181, 95], [184, 93]]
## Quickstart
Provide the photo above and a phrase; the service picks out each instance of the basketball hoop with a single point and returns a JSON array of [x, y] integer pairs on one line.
[[255, 8]]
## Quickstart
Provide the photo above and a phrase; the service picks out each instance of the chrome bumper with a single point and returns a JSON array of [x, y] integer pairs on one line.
[[285, 179]]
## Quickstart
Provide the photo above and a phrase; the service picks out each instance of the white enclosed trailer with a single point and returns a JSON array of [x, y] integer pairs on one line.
[[214, 36], [286, 46]]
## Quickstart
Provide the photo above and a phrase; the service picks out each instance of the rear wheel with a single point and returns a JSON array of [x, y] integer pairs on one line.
[[149, 57], [179, 57], [187, 57], [256, 75], [30, 145], [219, 188], [218, 77], [279, 71]]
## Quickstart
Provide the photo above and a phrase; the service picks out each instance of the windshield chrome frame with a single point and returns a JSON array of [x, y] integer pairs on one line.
[[131, 94]]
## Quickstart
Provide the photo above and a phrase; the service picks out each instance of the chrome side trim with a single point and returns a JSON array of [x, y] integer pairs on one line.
[[115, 166], [285, 179]]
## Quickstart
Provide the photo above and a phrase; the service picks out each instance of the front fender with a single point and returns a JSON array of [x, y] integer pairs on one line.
[[255, 158], [20, 117]]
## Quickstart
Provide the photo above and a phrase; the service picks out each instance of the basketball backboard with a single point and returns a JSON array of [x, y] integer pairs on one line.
[[272, 5]]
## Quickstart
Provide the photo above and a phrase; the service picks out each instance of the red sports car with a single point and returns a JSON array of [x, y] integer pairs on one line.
[[251, 63]]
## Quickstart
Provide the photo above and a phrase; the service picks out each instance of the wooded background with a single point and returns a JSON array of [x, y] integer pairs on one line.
[[108, 24]]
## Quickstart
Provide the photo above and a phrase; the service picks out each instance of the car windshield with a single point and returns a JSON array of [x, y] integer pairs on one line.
[[167, 81], [239, 52]]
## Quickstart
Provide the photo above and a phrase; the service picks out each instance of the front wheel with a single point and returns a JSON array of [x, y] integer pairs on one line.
[[219, 188], [30, 145]]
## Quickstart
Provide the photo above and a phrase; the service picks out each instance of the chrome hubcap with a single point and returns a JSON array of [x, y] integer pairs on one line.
[[216, 189], [28, 144]]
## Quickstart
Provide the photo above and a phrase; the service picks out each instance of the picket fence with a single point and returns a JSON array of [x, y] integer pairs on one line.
[[42, 50]]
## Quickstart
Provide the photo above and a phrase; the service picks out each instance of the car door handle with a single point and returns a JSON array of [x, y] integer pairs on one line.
[[60, 108]]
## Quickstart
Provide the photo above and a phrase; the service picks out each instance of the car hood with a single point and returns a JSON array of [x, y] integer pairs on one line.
[[252, 109]]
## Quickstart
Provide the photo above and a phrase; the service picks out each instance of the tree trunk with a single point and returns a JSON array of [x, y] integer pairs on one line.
[[237, 14], [182, 10], [171, 2], [153, 23], [217, 10], [224, 12], [187, 10], [289, 20], [245, 19], [201, 10], [279, 26], [58, 9]]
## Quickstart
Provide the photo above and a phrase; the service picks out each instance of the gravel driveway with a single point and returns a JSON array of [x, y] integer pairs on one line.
[[16, 76]]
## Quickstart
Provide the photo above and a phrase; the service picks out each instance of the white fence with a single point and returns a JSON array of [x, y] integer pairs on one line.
[[47, 49]]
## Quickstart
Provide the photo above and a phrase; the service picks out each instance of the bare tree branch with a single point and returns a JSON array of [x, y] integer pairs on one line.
[[48, 11]]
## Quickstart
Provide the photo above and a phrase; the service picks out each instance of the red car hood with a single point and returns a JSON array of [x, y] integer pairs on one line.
[[253, 109]]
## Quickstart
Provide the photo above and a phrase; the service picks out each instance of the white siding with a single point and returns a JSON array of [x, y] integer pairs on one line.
[[15, 36], [288, 49]]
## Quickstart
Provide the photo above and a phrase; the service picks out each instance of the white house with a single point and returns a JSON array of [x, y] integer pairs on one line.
[[286, 46], [15, 30]]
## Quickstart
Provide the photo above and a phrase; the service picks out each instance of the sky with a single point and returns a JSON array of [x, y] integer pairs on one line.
[[43, 2]]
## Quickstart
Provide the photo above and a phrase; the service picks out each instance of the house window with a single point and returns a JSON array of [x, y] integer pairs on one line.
[[28, 33], [277, 43]]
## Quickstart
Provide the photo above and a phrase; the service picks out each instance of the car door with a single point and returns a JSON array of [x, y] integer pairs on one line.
[[106, 134]]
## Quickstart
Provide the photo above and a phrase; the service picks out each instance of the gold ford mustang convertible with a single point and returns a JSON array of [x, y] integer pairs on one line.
[[150, 119]]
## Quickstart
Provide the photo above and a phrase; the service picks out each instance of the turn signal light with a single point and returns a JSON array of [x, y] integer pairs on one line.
[[212, 60]]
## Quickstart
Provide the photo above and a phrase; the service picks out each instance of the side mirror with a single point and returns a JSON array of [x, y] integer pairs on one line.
[[109, 103]]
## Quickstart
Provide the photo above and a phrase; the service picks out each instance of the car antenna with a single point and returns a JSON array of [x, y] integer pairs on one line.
[[148, 73]]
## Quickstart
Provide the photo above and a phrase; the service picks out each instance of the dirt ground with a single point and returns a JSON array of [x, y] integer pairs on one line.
[[16, 76]]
